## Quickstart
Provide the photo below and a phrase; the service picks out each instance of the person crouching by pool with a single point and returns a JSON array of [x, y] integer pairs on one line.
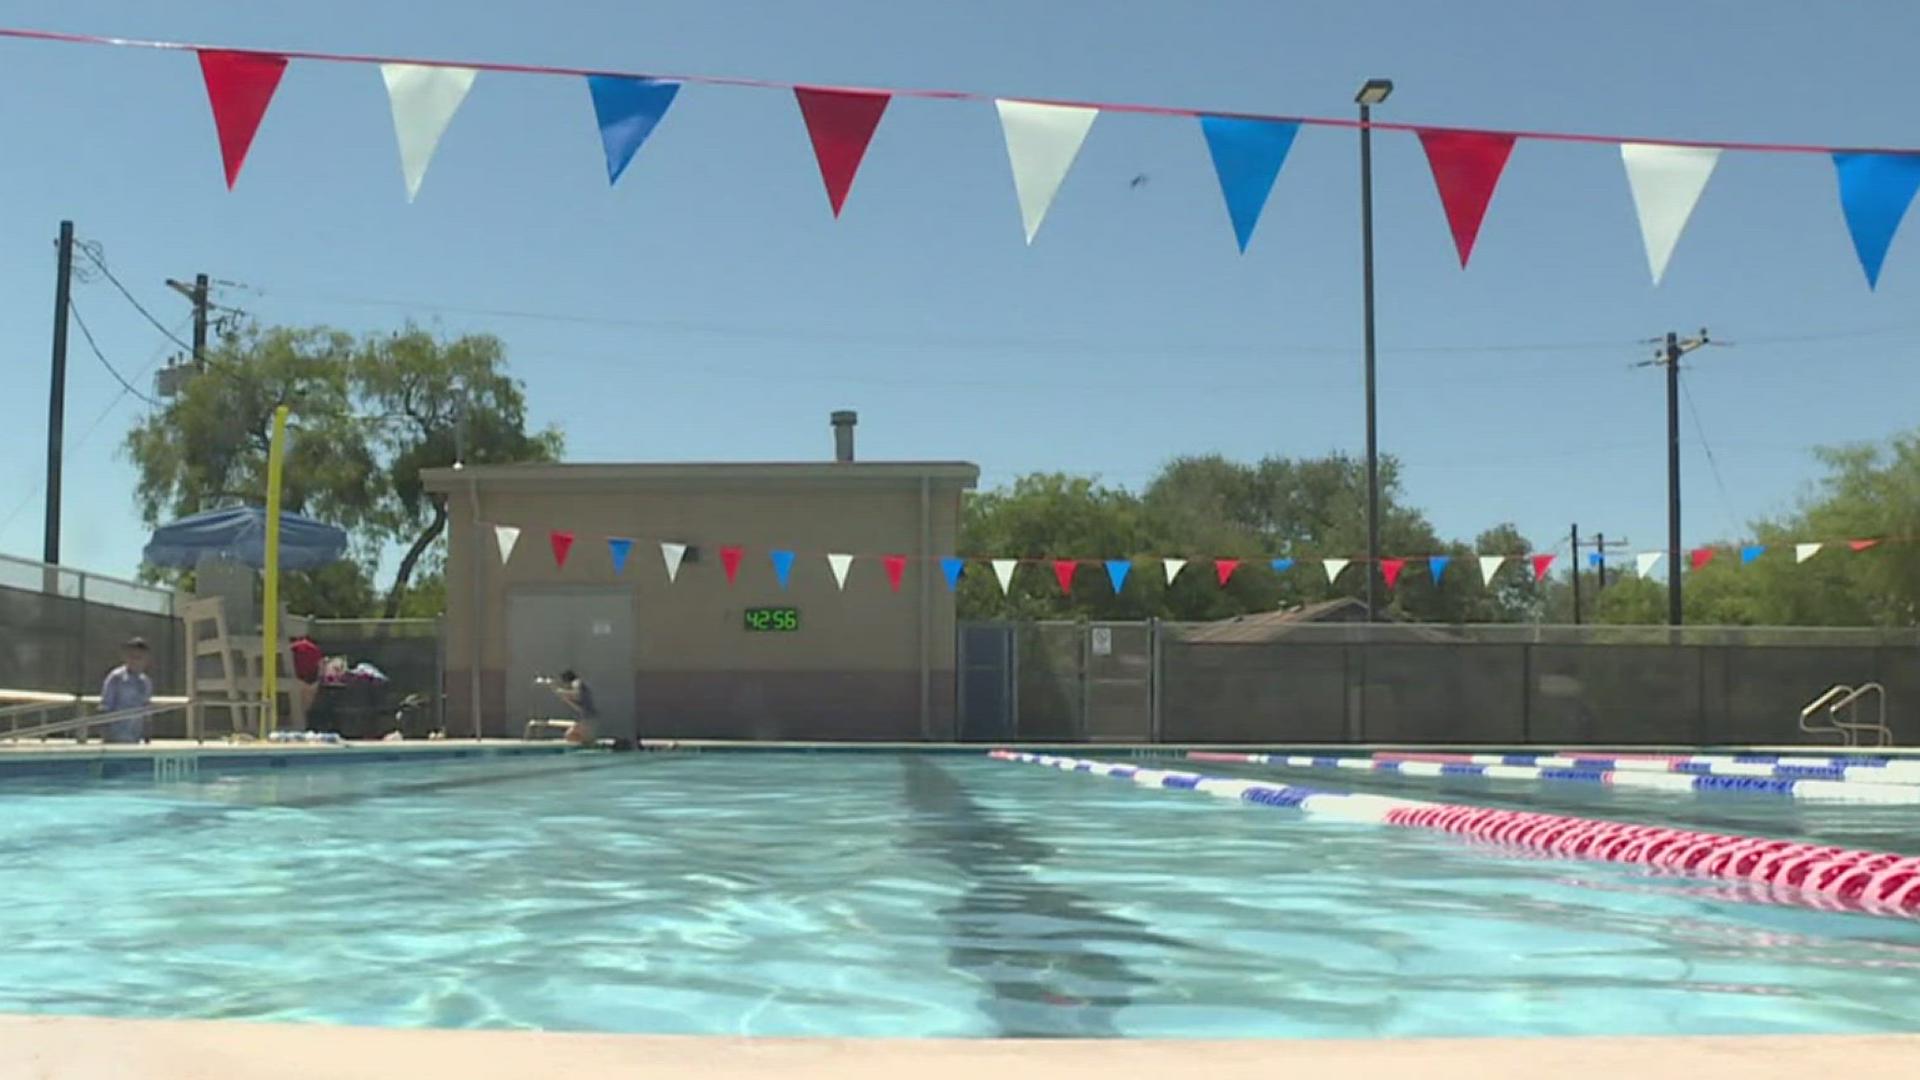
[[128, 687], [578, 696]]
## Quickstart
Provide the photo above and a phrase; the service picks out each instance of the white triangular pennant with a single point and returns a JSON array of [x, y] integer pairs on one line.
[[840, 564], [1666, 182], [1489, 566], [672, 554], [506, 536], [1334, 566], [1042, 141], [1803, 552], [1644, 562], [1173, 568], [424, 98], [1003, 572]]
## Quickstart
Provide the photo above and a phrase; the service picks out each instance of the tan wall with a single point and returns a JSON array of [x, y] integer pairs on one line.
[[854, 668]]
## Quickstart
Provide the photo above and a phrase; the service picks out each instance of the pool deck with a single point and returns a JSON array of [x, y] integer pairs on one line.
[[61, 1047]]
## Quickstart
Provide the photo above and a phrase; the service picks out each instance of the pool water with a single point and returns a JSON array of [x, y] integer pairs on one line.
[[869, 895]]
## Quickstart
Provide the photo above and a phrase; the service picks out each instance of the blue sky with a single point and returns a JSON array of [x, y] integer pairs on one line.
[[710, 307]]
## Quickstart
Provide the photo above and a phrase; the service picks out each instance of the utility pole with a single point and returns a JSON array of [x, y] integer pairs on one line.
[[1599, 559], [1576, 573], [57, 393], [197, 295], [1668, 356]]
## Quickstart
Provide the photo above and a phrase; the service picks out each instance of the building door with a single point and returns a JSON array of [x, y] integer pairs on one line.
[[588, 629], [986, 682]]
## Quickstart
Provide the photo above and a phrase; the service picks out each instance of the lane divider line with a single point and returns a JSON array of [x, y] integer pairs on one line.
[[1867, 769], [1873, 882]]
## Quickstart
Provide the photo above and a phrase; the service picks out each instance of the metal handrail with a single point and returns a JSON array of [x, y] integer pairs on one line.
[[1825, 700], [79, 723], [1883, 734]]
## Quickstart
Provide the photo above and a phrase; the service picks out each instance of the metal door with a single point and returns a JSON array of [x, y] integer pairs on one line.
[[1118, 684], [986, 682], [588, 629]]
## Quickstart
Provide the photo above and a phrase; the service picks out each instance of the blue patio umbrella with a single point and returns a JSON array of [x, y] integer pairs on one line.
[[240, 533]]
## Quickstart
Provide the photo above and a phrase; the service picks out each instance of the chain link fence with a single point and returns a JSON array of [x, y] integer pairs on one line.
[[61, 629]]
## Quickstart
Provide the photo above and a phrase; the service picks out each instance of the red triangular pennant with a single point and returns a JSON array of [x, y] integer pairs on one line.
[[730, 562], [896, 567], [1063, 573], [840, 123], [562, 543], [1861, 545], [1541, 564], [1699, 557], [239, 87], [1224, 568], [1390, 569], [1466, 166]]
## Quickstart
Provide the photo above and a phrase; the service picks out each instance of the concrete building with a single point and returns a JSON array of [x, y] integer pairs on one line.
[[698, 657]]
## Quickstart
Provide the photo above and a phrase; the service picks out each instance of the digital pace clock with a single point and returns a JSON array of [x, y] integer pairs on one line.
[[773, 619]]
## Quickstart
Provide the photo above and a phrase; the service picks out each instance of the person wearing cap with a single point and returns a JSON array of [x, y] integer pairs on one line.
[[128, 687]]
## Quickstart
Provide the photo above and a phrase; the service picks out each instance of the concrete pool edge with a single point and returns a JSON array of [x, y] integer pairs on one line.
[[177, 760], [49, 1046]]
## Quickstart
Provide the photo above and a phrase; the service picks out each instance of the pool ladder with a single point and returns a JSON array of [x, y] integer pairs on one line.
[[1841, 703]]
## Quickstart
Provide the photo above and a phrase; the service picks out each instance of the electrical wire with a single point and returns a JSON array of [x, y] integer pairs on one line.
[[74, 310], [1713, 463], [92, 251]]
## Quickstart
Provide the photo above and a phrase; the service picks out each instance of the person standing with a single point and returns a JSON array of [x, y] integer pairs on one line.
[[128, 687]]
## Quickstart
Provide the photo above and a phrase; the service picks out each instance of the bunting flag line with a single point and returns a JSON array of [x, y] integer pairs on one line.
[[1875, 191], [840, 124], [1117, 571], [1489, 566], [627, 110], [1644, 562], [1751, 552], [1042, 141], [1003, 573], [840, 564], [1437, 566], [782, 567], [618, 548], [1466, 167], [1861, 545], [896, 567], [953, 566], [506, 536], [1803, 552], [1390, 570], [240, 86], [672, 555], [1063, 573], [1247, 156], [1173, 568], [423, 98], [1699, 557], [562, 543], [730, 562], [1333, 568], [1224, 568], [1541, 564], [1281, 566], [1666, 182]]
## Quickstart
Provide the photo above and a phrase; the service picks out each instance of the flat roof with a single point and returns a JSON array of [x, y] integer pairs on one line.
[[604, 474]]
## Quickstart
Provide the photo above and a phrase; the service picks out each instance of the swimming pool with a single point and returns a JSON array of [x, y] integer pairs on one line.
[[865, 894]]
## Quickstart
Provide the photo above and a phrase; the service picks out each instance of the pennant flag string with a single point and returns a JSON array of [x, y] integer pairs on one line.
[[782, 567], [935, 94], [1117, 571], [730, 562], [240, 86], [896, 567], [1466, 167], [1063, 573], [562, 543], [1003, 573], [673, 555], [1666, 182], [953, 567], [423, 100], [627, 110], [1875, 191], [1042, 141], [506, 536], [840, 564], [841, 124], [1173, 568], [618, 548], [1247, 155]]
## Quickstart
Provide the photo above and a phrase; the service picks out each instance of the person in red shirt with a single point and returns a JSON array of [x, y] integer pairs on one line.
[[307, 659]]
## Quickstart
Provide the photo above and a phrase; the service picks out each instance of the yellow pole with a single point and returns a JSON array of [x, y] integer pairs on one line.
[[270, 617]]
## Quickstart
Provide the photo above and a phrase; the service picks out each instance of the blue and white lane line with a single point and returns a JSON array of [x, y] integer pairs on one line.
[[1672, 783], [1869, 770], [1371, 809]]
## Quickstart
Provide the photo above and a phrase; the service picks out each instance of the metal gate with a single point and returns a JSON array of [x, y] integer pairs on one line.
[[988, 701], [1056, 681]]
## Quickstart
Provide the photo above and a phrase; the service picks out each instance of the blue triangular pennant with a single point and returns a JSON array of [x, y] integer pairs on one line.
[[1247, 155], [1595, 559], [627, 110], [1117, 571], [953, 568], [1281, 566], [1437, 566], [1751, 552], [619, 547], [782, 565], [1875, 190]]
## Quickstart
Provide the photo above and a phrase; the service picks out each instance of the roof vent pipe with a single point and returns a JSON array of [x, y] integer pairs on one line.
[[843, 422]]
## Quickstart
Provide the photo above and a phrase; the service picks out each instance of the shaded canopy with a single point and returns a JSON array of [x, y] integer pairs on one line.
[[240, 533]]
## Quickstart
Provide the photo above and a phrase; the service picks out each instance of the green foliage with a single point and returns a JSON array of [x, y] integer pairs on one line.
[[367, 415]]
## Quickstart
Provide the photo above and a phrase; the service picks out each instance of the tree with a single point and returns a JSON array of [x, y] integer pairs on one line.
[[367, 415]]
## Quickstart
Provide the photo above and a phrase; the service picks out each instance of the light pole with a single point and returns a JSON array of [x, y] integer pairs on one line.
[[1372, 93]]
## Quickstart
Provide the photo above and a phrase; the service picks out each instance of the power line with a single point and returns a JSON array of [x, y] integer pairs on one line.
[[74, 309], [91, 249], [1713, 463]]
